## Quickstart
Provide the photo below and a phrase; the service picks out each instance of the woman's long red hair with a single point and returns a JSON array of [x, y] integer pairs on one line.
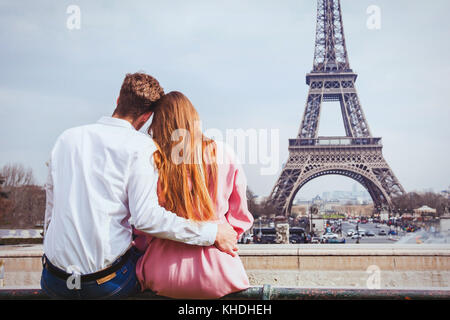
[[187, 188]]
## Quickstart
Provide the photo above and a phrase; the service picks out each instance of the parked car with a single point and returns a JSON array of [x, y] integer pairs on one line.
[[335, 240], [362, 233], [382, 232], [264, 235], [350, 232], [329, 235], [315, 240], [393, 233], [370, 234], [378, 226], [356, 235], [247, 238], [297, 235]]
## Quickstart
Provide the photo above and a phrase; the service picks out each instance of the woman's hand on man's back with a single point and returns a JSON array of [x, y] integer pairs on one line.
[[226, 239]]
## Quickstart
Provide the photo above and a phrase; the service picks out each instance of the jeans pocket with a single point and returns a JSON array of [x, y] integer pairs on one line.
[[54, 287], [122, 285]]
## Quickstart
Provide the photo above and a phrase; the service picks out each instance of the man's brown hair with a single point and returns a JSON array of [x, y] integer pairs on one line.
[[138, 94]]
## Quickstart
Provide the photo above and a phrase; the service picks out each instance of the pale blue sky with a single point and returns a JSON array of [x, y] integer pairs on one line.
[[242, 64]]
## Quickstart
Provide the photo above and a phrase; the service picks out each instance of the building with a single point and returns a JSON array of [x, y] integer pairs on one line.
[[424, 213]]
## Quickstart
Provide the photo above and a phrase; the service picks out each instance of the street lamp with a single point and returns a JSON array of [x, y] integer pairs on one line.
[[260, 230], [357, 232]]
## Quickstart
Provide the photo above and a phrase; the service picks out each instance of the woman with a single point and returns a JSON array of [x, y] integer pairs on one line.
[[200, 180]]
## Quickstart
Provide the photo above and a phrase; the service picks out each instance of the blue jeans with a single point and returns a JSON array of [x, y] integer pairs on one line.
[[123, 285]]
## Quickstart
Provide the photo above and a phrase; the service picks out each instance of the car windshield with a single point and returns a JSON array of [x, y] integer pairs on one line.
[[298, 231], [266, 231]]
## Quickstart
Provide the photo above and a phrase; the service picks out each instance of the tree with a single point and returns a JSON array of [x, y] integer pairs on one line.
[[16, 175], [251, 203], [23, 203], [3, 195], [27, 206], [413, 200], [265, 208], [5, 204]]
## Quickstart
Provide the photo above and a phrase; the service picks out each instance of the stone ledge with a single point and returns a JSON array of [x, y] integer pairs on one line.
[[290, 250], [21, 251], [344, 250], [332, 265]]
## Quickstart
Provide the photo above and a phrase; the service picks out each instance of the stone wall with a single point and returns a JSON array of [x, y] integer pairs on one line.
[[22, 265], [358, 266], [333, 265]]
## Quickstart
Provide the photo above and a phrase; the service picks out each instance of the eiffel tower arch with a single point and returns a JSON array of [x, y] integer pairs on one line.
[[357, 155]]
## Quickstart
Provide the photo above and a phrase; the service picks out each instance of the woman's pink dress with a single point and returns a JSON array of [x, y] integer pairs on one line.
[[177, 270]]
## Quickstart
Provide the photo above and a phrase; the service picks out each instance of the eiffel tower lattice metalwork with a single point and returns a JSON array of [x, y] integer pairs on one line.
[[357, 155]]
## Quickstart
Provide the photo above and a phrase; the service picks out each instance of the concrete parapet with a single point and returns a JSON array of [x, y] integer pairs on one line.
[[351, 265], [334, 265]]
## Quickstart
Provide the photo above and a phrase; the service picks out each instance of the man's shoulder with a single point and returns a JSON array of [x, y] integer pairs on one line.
[[140, 141], [133, 141], [73, 132], [132, 135]]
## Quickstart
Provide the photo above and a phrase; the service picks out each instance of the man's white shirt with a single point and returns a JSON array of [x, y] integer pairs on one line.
[[100, 176]]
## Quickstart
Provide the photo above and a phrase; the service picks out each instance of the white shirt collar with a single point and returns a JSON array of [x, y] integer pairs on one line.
[[110, 121]]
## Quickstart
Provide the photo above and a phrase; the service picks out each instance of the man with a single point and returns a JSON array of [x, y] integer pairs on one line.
[[101, 176]]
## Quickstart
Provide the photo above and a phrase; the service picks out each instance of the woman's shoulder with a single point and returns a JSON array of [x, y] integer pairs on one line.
[[225, 153]]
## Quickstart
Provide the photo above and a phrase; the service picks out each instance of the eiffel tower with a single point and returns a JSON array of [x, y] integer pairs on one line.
[[357, 155]]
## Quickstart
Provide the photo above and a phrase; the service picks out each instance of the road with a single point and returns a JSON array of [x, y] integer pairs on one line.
[[346, 226]]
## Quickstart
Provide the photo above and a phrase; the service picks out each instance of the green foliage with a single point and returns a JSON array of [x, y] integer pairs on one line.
[[333, 216]]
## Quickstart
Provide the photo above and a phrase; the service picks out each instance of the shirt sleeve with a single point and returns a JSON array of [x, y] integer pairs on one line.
[[149, 217], [48, 197], [238, 215]]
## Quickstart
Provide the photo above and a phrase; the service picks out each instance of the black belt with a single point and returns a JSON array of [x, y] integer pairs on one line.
[[91, 276]]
